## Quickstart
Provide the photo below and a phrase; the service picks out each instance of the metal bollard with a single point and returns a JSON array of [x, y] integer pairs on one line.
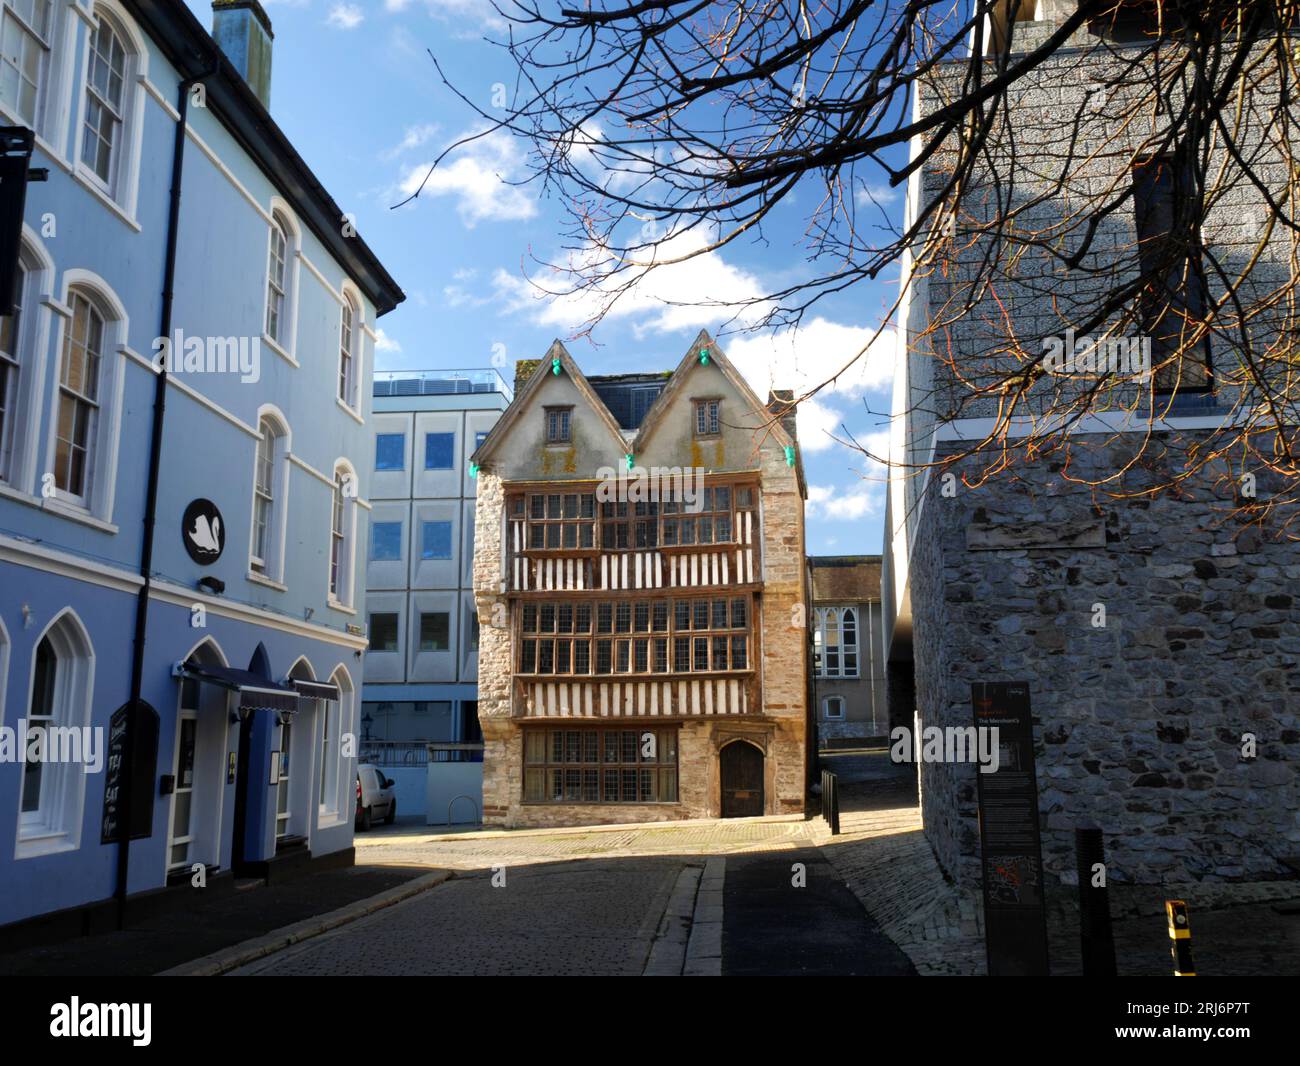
[[1180, 937]]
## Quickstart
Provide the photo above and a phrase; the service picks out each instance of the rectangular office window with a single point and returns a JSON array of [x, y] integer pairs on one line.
[[390, 451], [383, 632], [439, 451], [386, 541], [479, 438], [435, 540], [435, 631]]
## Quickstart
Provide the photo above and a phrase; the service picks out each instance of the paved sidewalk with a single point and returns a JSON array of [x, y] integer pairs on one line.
[[186, 933]]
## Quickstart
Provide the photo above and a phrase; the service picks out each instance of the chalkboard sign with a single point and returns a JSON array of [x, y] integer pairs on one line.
[[144, 765], [1015, 918]]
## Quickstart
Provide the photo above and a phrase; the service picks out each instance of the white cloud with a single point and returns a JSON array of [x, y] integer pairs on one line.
[[866, 496], [385, 343], [345, 16], [697, 292], [414, 137], [477, 177]]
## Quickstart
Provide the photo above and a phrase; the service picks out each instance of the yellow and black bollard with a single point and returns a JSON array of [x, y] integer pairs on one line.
[[1180, 938]]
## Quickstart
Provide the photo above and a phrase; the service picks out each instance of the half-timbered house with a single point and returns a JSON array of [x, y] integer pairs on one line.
[[639, 579]]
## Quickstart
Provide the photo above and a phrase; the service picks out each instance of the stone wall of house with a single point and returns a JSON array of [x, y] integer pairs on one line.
[[1156, 634]]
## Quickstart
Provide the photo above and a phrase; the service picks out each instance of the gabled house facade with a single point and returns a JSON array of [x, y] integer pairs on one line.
[[639, 576]]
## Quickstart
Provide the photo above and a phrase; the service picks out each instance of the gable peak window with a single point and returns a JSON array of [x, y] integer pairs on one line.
[[708, 421], [559, 425]]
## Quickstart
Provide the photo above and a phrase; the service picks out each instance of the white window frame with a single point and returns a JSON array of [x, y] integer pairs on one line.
[[340, 578], [56, 823], [341, 713], [281, 219], [272, 560], [96, 499], [121, 191], [825, 626], [19, 446], [826, 709], [351, 349], [9, 13]]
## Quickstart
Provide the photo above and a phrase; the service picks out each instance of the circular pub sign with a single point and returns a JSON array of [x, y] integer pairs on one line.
[[203, 532]]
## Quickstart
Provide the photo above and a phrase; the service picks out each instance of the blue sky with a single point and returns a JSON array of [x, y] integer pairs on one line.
[[354, 88]]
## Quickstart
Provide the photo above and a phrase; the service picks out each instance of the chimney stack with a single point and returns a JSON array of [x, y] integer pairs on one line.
[[243, 30]]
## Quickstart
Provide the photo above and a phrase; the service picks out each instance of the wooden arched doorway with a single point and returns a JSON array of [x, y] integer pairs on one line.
[[741, 771]]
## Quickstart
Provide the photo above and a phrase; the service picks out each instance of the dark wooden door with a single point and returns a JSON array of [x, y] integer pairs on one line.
[[742, 780]]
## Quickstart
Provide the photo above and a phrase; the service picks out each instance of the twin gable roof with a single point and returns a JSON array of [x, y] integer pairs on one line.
[[634, 439]]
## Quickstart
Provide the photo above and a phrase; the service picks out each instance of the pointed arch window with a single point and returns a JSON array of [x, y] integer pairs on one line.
[[53, 790], [835, 642]]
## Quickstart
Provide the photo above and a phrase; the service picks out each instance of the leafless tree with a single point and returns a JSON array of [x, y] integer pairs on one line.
[[1155, 194]]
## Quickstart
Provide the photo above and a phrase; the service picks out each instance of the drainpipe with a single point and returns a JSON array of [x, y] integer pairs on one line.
[[151, 498]]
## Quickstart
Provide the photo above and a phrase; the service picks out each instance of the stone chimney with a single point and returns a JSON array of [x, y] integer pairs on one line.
[[523, 371], [243, 30], [781, 403]]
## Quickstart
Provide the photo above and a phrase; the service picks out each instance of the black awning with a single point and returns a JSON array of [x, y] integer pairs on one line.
[[315, 690], [255, 691]]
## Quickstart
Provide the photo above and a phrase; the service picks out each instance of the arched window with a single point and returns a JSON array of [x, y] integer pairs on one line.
[[341, 536], [277, 281], [53, 788], [835, 642], [269, 485], [27, 33], [107, 92], [336, 719], [348, 349], [77, 417]]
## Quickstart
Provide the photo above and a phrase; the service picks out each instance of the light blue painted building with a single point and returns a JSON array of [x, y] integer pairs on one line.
[[250, 659]]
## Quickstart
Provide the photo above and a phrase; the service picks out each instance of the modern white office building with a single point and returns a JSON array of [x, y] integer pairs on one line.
[[421, 669]]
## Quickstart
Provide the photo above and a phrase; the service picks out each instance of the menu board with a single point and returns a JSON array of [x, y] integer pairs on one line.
[[143, 766]]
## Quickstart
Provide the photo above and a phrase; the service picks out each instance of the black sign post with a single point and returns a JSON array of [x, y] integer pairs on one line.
[[144, 760], [1015, 918]]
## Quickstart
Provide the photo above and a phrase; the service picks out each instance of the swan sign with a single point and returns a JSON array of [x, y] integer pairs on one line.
[[203, 532]]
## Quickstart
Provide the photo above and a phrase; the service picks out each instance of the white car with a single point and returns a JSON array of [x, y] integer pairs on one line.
[[375, 796]]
